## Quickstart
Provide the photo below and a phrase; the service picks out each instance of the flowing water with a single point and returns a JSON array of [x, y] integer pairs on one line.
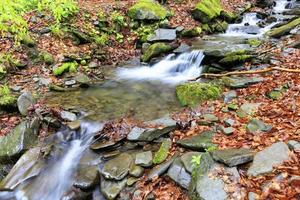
[[143, 92]]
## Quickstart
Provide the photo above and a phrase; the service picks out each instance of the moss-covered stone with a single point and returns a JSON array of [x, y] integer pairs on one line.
[[206, 28], [47, 58], [7, 100], [206, 10], [147, 10], [228, 16], [274, 95], [190, 94], [65, 67], [194, 32], [156, 50], [219, 26], [28, 41], [162, 154], [236, 57], [282, 30], [254, 42]]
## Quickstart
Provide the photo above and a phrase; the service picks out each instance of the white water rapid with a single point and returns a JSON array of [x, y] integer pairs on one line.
[[173, 69]]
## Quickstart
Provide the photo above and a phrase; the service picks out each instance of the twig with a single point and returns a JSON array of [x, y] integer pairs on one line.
[[248, 72]]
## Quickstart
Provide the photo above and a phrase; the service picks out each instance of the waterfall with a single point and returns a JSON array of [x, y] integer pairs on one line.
[[172, 69]]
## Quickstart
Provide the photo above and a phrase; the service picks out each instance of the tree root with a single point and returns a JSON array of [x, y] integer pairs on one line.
[[206, 75]]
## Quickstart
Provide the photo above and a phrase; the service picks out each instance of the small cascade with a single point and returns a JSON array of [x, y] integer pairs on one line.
[[57, 177], [172, 69]]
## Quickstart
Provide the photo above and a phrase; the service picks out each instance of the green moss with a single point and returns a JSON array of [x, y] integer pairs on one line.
[[206, 10], [254, 42], [65, 67], [162, 154], [219, 26], [156, 50], [47, 58], [28, 41], [274, 95], [192, 32], [282, 30], [190, 94], [2, 71], [206, 28], [228, 16], [147, 9], [236, 57], [6, 98]]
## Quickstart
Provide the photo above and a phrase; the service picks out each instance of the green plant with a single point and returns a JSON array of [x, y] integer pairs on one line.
[[144, 32], [102, 39], [118, 19], [6, 98], [2, 72]]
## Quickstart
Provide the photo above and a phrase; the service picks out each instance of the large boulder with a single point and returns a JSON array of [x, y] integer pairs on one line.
[[22, 137], [283, 30], [147, 10], [265, 160], [156, 50], [190, 94], [207, 10]]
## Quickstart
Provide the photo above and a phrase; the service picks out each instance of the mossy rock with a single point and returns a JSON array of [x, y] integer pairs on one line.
[[274, 95], [162, 154], [206, 28], [147, 10], [190, 94], [194, 32], [254, 42], [65, 67], [7, 100], [47, 58], [228, 16], [219, 26], [156, 50], [283, 30], [28, 41], [207, 10], [236, 57]]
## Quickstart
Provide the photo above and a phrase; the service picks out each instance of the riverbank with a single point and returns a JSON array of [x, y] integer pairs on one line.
[[238, 137]]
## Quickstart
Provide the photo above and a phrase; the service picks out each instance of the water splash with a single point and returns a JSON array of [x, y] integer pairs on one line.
[[173, 69]]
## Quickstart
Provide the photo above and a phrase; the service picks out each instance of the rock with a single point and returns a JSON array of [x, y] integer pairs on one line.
[[274, 95], [75, 193], [118, 167], [230, 95], [235, 57], [87, 177], [163, 34], [265, 160], [242, 82], [294, 145], [228, 16], [147, 10], [148, 135], [111, 189], [198, 142], [162, 154], [144, 159], [265, 3], [249, 108], [68, 116], [207, 10], [131, 181], [182, 48], [136, 171], [226, 131], [93, 64], [28, 166], [160, 169], [79, 36], [82, 79], [233, 157], [155, 50], [47, 58], [24, 102], [70, 82], [178, 174], [190, 94], [194, 32], [7, 194], [44, 81], [4, 170], [219, 26], [210, 118], [74, 125], [229, 122], [256, 125], [187, 160], [22, 137], [283, 30]]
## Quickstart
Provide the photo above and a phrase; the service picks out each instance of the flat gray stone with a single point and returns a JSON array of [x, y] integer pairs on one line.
[[87, 177], [294, 145], [229, 122], [230, 95], [144, 159], [163, 34], [68, 116], [136, 171], [256, 125], [233, 157], [198, 142], [265, 160], [118, 167], [161, 168], [110, 189], [211, 189], [187, 160], [178, 174]]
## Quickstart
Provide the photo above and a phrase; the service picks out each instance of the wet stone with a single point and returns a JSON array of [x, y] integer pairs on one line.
[[87, 177], [178, 174], [233, 157], [68, 116], [242, 82], [198, 142], [144, 159], [76, 193], [265, 160], [24, 102], [110, 189], [136, 171], [118, 167], [74, 125]]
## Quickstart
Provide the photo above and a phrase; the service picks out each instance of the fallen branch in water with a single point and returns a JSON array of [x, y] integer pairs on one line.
[[248, 72]]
